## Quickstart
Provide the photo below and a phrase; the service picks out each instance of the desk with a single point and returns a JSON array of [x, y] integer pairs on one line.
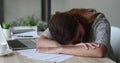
[[16, 58]]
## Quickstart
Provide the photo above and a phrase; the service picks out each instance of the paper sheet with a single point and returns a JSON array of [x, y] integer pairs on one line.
[[33, 54]]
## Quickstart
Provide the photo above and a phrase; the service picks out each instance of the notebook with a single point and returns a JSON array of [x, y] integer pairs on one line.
[[17, 44], [24, 34]]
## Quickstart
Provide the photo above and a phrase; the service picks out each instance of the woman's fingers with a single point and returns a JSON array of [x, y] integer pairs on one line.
[[91, 45], [87, 45], [96, 44], [83, 44]]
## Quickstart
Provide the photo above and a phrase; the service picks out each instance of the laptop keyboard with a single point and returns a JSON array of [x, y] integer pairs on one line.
[[21, 44], [16, 44], [28, 43]]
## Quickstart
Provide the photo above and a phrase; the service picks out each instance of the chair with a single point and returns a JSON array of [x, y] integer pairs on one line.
[[115, 41]]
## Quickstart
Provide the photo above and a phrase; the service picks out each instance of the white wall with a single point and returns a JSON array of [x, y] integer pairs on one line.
[[110, 8], [21, 8], [57, 5], [14, 9]]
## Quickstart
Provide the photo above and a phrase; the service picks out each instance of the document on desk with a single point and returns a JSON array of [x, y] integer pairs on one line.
[[29, 34], [33, 54]]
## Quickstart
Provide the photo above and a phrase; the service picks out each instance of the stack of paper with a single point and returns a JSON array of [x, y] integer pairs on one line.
[[23, 34], [33, 54]]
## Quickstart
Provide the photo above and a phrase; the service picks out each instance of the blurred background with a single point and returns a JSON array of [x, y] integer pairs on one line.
[[11, 10]]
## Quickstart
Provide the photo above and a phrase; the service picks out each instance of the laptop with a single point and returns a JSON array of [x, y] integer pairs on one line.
[[17, 44]]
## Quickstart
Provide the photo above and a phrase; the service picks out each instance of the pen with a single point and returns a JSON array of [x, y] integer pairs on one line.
[[23, 36]]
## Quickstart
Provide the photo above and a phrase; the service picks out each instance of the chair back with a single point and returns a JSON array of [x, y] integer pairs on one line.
[[115, 41]]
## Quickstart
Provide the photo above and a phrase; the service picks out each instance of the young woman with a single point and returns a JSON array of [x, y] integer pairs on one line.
[[77, 32]]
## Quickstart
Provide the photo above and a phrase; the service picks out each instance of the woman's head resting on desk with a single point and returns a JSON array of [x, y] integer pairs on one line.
[[70, 27]]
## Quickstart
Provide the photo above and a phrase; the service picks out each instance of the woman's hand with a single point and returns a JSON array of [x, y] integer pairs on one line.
[[87, 45]]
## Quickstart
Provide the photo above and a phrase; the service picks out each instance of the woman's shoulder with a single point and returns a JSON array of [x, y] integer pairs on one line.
[[100, 19]]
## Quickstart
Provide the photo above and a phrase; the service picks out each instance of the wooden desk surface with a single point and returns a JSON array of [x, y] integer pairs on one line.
[[16, 58]]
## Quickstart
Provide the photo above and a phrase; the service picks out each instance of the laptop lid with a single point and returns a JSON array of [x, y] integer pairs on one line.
[[16, 44], [4, 40]]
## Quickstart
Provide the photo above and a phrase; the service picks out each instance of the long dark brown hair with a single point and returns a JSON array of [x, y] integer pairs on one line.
[[82, 12], [86, 23], [64, 27]]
